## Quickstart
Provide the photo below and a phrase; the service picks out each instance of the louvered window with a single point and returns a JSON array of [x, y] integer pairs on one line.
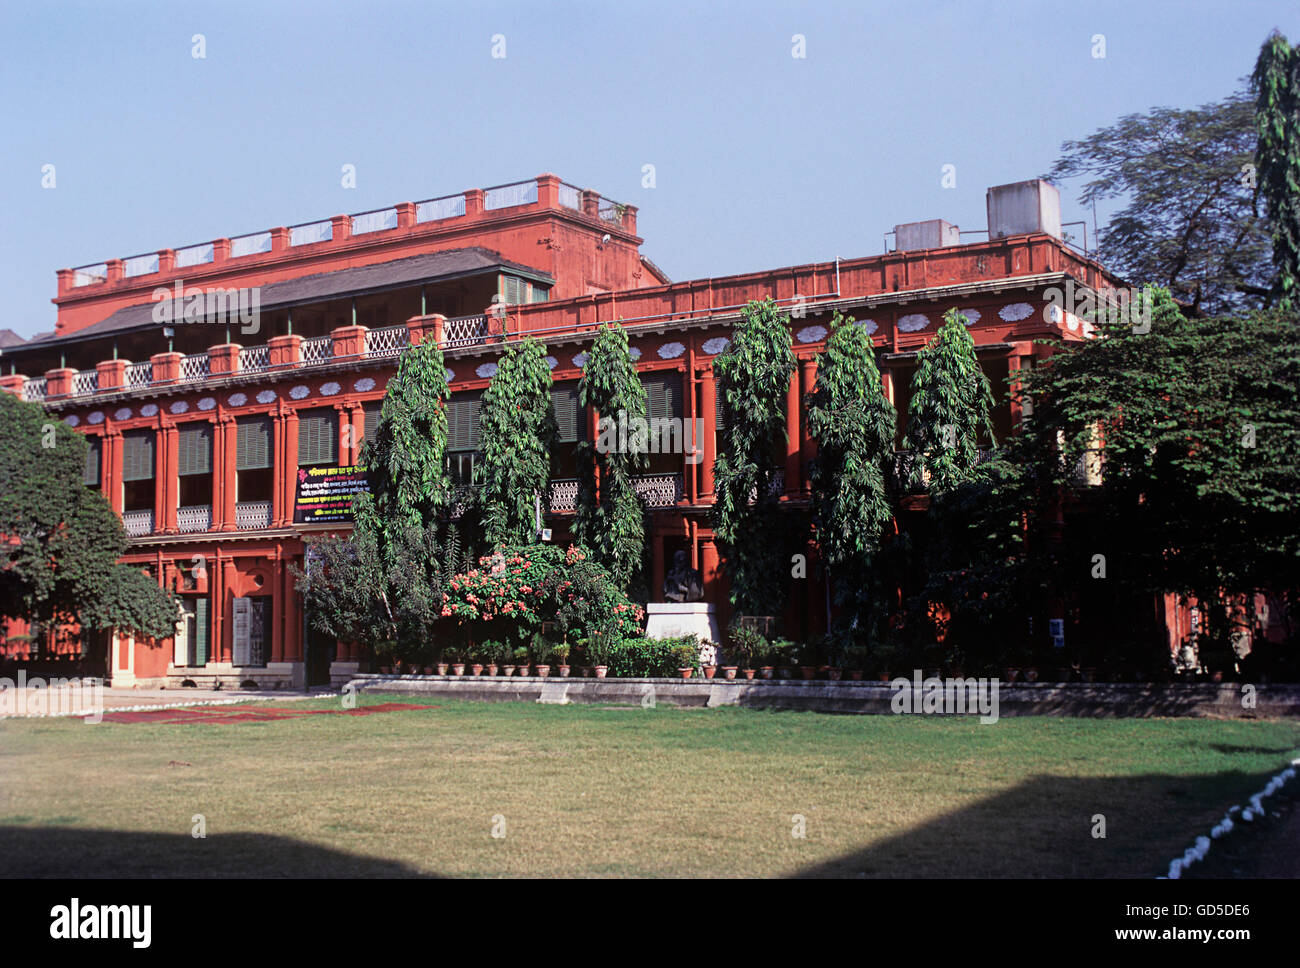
[[200, 631], [663, 394], [253, 444], [318, 437], [194, 450], [568, 413], [91, 478], [514, 290], [371, 411], [137, 456], [463, 411]]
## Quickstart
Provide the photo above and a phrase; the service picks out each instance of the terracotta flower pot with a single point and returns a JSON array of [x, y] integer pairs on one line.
[[1031, 675], [855, 675], [834, 675], [564, 671], [507, 670], [729, 672], [477, 668], [885, 677], [521, 670], [458, 668], [490, 668], [766, 672], [1010, 673], [543, 671], [428, 670], [808, 672], [749, 673], [442, 668], [600, 671], [710, 671], [686, 671]]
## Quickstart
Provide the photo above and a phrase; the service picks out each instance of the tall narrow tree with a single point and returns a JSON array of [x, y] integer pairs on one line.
[[610, 520], [753, 376], [1276, 83], [853, 424], [518, 432], [950, 410]]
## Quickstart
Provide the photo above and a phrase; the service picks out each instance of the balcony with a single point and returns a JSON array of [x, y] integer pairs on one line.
[[657, 490], [137, 523], [192, 519], [252, 515]]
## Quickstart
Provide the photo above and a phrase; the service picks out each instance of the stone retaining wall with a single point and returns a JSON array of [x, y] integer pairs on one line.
[[1220, 700]]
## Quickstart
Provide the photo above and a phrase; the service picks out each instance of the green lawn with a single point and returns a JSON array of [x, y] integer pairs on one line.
[[592, 791]]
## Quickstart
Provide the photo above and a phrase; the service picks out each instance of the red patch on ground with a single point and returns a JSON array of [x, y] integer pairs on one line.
[[225, 716]]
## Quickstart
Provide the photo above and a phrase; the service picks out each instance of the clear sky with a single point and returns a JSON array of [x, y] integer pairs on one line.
[[761, 159]]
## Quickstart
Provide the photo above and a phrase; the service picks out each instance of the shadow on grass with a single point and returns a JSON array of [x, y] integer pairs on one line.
[[1044, 828], [31, 852]]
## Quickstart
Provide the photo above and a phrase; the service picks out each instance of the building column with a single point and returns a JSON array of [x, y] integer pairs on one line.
[[216, 614], [808, 449], [288, 477], [160, 471], [278, 486], [224, 520], [357, 421], [171, 486], [792, 435], [657, 566], [278, 608], [112, 470], [709, 412]]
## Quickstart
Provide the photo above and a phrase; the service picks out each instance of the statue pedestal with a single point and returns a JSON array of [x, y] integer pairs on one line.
[[666, 620]]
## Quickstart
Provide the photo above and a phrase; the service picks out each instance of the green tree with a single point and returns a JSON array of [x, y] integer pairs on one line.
[[518, 432], [753, 377], [404, 460], [610, 522], [1189, 221], [950, 410], [1276, 83], [853, 423], [59, 562]]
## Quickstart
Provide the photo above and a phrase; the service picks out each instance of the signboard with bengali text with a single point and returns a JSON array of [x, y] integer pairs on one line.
[[325, 493]]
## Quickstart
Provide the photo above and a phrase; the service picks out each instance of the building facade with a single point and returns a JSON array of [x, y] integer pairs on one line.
[[223, 384]]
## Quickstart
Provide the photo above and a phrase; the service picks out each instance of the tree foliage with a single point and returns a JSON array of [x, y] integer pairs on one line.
[[610, 521], [1189, 221], [518, 432], [1276, 83], [950, 410], [853, 424], [753, 377], [61, 540]]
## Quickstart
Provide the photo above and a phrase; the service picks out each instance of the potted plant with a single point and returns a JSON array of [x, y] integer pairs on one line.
[[560, 654], [746, 644], [491, 651], [541, 651], [687, 655], [521, 660], [457, 658], [599, 646]]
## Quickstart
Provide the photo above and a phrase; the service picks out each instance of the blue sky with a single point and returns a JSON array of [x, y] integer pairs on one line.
[[761, 159]]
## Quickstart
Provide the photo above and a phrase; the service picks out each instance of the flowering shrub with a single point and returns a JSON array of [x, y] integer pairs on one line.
[[522, 587]]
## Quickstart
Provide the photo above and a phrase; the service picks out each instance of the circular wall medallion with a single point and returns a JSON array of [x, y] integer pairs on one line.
[[266, 396], [364, 385], [580, 360], [811, 334], [634, 352], [913, 323], [237, 400], [972, 316], [552, 362], [1016, 311], [670, 351], [123, 414], [149, 410], [450, 376], [207, 403], [869, 326], [72, 420], [180, 406], [296, 393], [716, 345], [486, 370], [329, 389], [95, 417]]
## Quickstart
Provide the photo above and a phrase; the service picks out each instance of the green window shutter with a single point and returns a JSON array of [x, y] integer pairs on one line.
[[463, 411], [91, 477], [663, 394], [372, 419], [318, 437], [194, 450], [513, 290], [541, 294], [253, 444], [200, 631], [568, 413], [137, 456]]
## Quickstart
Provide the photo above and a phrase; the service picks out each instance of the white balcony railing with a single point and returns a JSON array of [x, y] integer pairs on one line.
[[317, 350], [564, 496], [138, 523], [389, 341], [192, 519], [138, 375], [34, 389], [195, 368], [254, 359], [658, 490], [465, 331], [251, 515], [87, 381]]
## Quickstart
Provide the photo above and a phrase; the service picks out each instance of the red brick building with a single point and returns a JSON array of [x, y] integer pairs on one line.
[[200, 431]]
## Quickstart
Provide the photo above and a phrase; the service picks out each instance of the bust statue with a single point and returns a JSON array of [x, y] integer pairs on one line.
[[683, 583]]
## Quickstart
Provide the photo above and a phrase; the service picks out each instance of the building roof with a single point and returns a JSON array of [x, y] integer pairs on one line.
[[9, 338], [428, 267]]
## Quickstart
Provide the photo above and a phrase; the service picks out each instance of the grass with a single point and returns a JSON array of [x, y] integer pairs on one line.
[[596, 792]]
